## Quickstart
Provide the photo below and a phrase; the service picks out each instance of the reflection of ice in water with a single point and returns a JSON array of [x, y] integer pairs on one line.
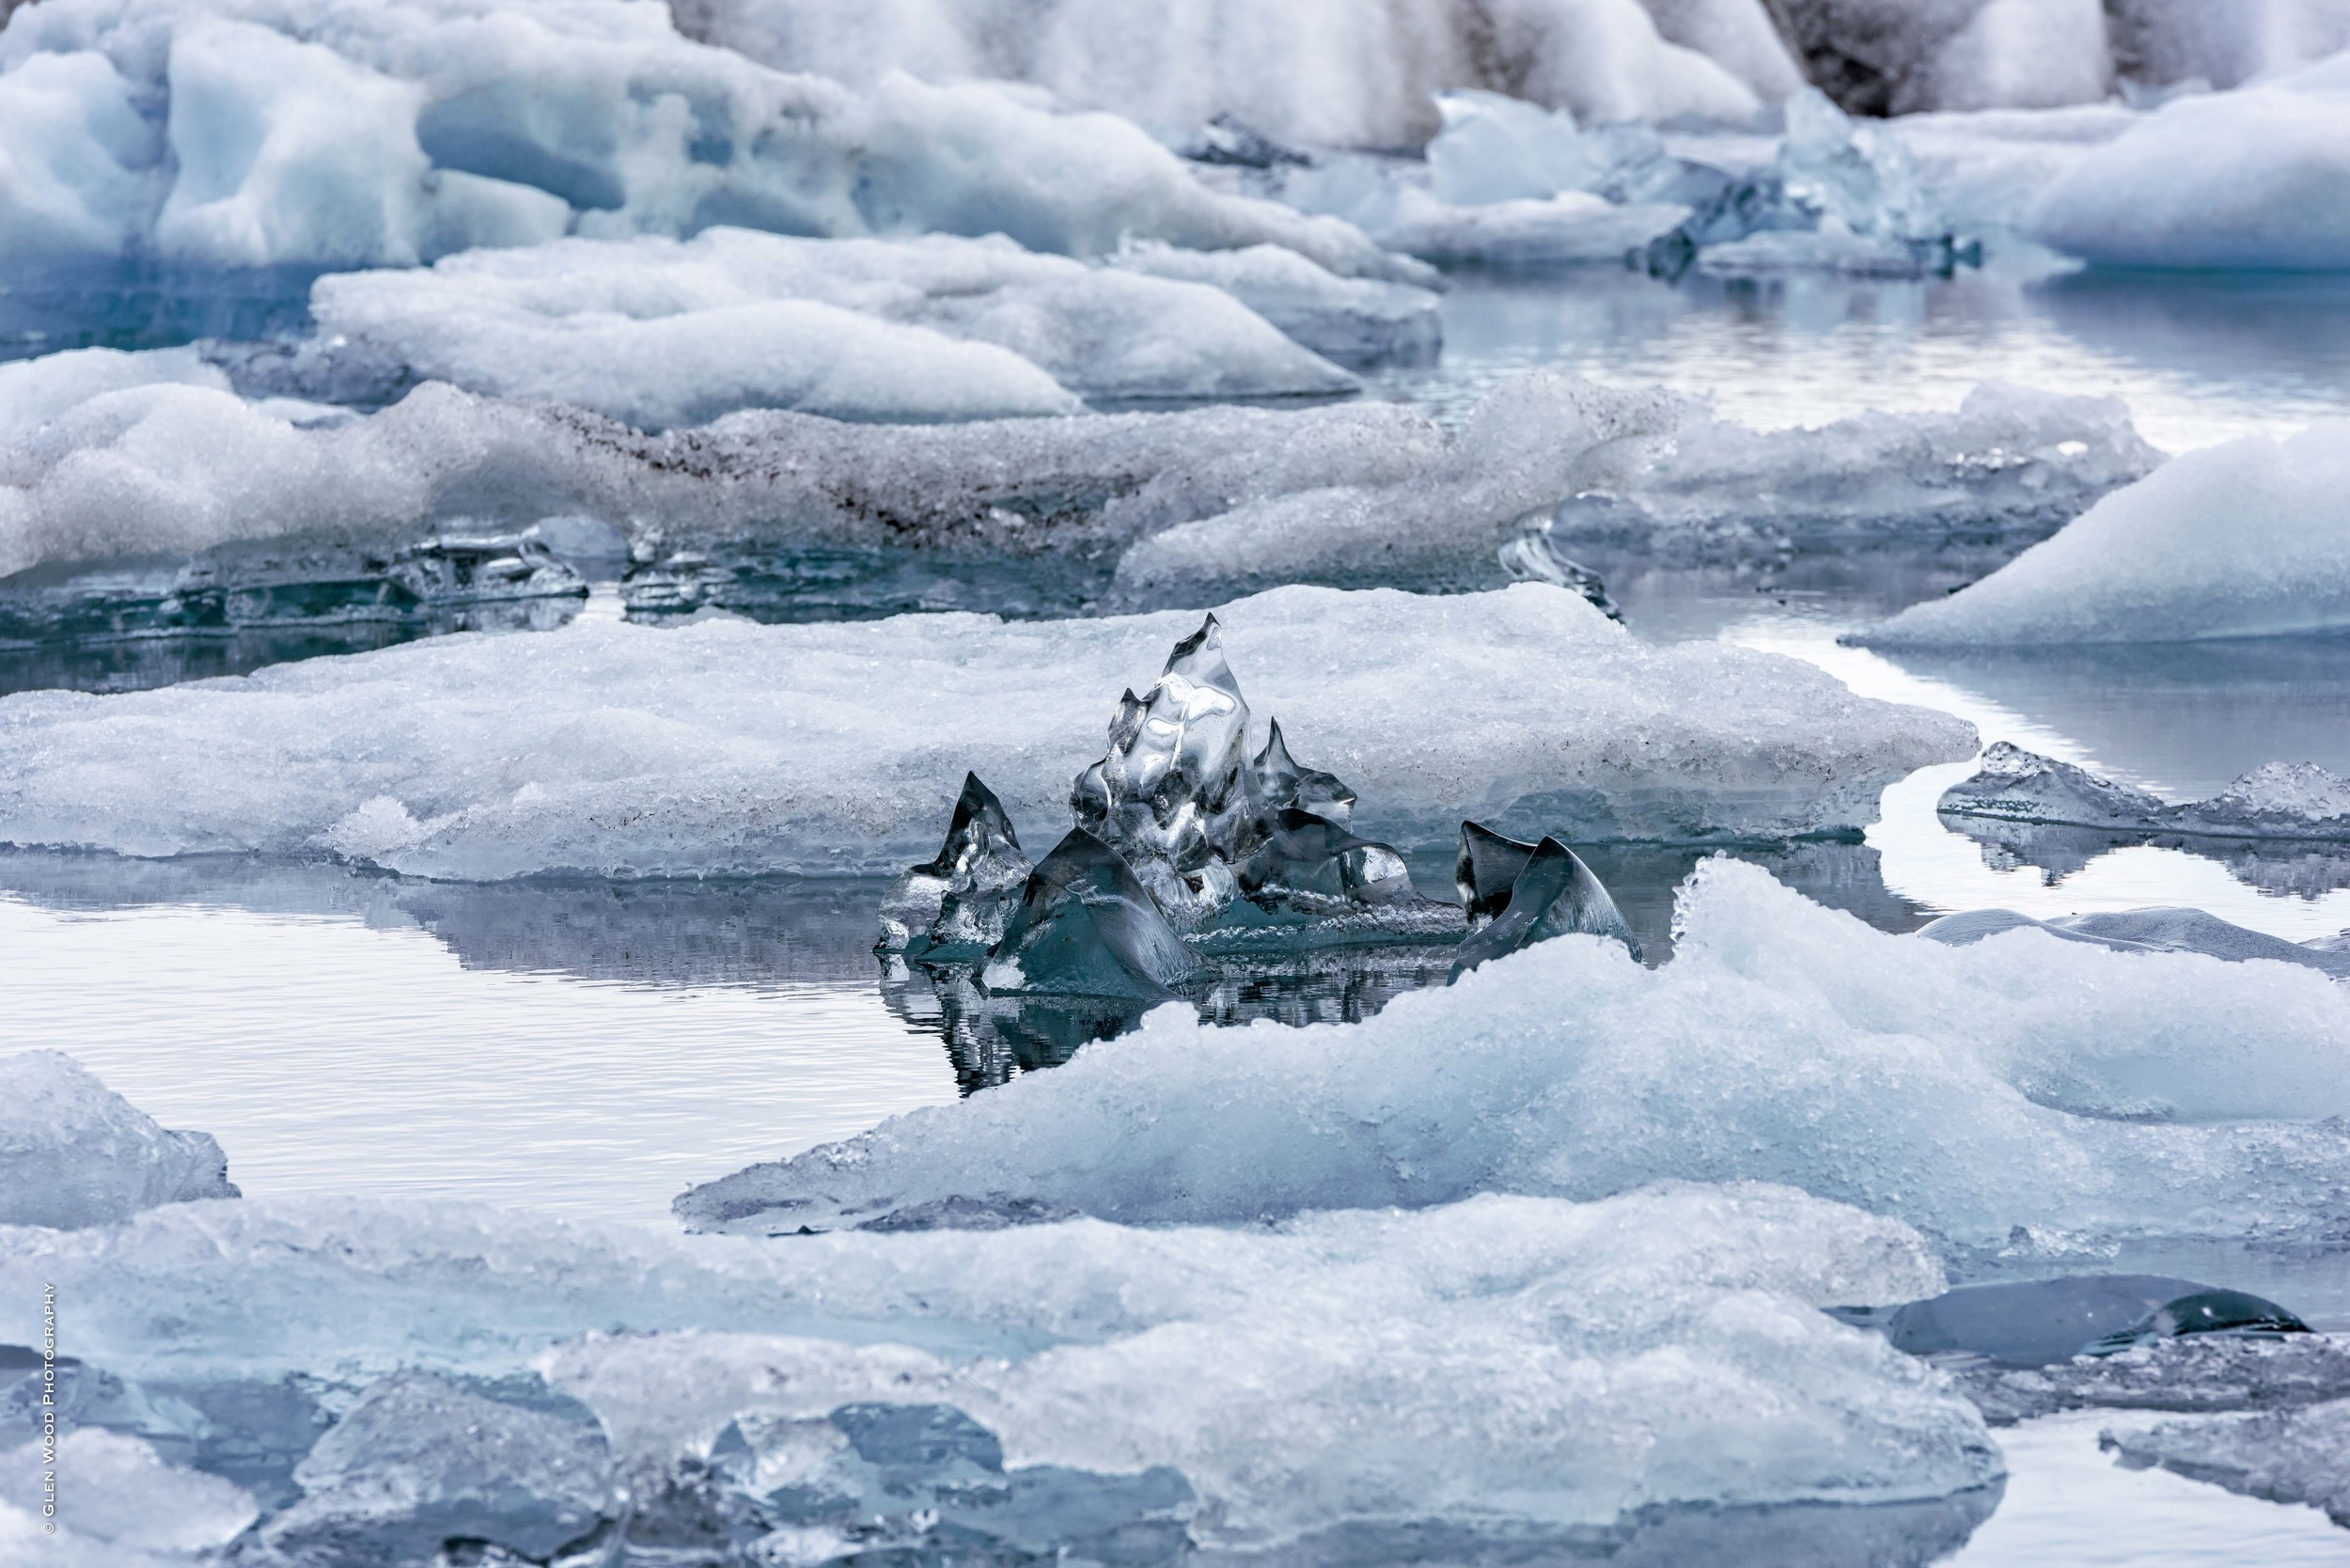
[[1931, 864]]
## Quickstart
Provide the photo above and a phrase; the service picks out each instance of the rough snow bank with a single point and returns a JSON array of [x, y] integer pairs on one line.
[[245, 132], [2018, 1081], [1510, 1367], [149, 453], [1658, 472], [2249, 538], [659, 333], [728, 747], [2258, 178], [73, 1153]]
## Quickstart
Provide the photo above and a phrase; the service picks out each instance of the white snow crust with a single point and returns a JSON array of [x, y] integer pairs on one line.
[[1353, 321], [73, 1153], [1321, 71], [2248, 538], [660, 333], [1508, 1365], [340, 132], [2257, 177], [2019, 1081], [725, 748]]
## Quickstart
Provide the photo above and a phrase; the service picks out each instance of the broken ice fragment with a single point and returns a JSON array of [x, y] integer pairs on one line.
[[1553, 894], [960, 898], [2016, 785], [1311, 860], [1087, 927], [420, 1461], [2284, 1456], [1281, 783]]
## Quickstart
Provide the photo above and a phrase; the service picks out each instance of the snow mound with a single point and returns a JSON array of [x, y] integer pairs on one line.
[[2017, 1081], [2248, 538], [658, 333], [1545, 462], [73, 1153], [1356, 321], [340, 132], [1566, 1367], [2257, 177], [727, 747], [1332, 75], [2285, 1456]]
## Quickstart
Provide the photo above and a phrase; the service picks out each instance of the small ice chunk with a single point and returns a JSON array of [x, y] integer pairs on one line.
[[1087, 927], [2286, 1456], [1281, 782], [1553, 894], [2247, 539], [960, 898], [420, 1460], [73, 1153], [1484, 869], [1311, 862]]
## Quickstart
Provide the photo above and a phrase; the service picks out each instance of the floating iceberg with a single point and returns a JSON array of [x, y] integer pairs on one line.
[[1352, 321], [2286, 1456], [2257, 177], [1344, 76], [2248, 538], [1593, 1370], [1968, 1089], [2302, 802], [73, 1153], [658, 334], [336, 133], [960, 898], [1548, 467], [728, 747]]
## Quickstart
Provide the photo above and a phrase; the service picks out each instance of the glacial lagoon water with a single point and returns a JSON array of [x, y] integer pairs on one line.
[[588, 1051]]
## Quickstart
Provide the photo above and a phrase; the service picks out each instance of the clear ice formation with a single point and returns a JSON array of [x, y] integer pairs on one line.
[[526, 1373], [2108, 1095], [419, 1461], [204, 136], [1087, 927], [660, 332], [959, 901], [73, 1153], [1518, 894], [2247, 539], [725, 748], [2282, 1456], [2191, 930], [2041, 1322]]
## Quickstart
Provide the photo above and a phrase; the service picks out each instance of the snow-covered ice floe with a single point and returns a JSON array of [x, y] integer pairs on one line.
[[1569, 1375], [730, 747], [2248, 538], [2284, 1456], [337, 133], [1352, 320], [2019, 1080], [2190, 930], [1547, 466], [2257, 177], [657, 333], [73, 1153]]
